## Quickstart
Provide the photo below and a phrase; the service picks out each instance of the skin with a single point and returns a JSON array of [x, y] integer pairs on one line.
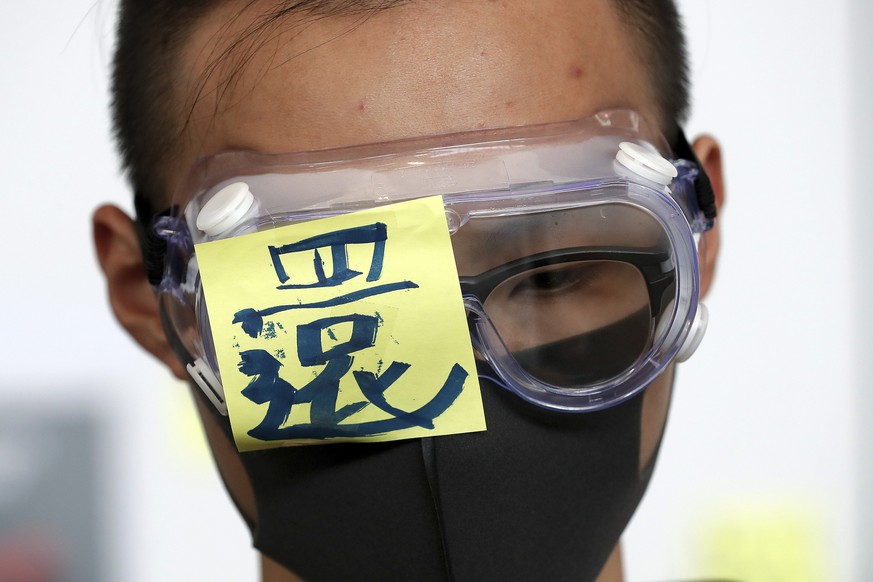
[[418, 69]]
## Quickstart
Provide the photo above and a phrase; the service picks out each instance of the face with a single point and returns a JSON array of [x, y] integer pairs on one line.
[[413, 70], [417, 69]]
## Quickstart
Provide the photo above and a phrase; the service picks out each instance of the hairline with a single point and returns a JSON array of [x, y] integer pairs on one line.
[[148, 170]]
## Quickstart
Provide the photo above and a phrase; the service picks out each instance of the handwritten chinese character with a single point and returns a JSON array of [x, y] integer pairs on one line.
[[323, 391]]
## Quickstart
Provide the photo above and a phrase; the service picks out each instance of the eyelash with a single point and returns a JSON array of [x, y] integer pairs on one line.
[[541, 283]]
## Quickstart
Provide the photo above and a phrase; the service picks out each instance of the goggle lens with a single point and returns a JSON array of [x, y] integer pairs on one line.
[[574, 323], [575, 304]]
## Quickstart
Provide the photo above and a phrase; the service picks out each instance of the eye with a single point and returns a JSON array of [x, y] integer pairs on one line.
[[554, 280]]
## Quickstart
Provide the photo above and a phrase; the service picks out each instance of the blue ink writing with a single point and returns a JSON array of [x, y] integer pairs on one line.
[[338, 242], [348, 335]]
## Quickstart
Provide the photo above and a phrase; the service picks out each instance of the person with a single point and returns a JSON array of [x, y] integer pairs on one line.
[[503, 102]]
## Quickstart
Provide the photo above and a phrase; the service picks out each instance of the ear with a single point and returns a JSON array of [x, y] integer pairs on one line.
[[708, 152], [133, 300]]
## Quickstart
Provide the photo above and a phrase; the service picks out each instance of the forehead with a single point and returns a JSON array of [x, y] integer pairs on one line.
[[308, 82]]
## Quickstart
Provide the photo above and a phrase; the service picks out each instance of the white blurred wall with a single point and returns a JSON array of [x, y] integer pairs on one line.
[[861, 99], [756, 479], [763, 459], [166, 515]]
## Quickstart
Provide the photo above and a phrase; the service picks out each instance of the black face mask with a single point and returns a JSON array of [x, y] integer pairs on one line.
[[540, 495]]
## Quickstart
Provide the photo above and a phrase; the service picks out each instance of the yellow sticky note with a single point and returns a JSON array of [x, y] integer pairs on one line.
[[345, 328]]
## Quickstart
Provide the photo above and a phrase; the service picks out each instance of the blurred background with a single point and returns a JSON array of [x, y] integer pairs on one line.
[[765, 467]]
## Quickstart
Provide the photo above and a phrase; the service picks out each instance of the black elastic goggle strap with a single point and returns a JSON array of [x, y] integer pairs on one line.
[[152, 246], [179, 349], [705, 194]]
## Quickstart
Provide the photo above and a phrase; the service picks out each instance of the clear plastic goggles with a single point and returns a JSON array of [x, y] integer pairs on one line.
[[575, 245]]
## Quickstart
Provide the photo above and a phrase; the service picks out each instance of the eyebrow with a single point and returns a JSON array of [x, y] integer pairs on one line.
[[510, 237]]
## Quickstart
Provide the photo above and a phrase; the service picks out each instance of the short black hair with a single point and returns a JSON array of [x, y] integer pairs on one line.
[[659, 39], [151, 34]]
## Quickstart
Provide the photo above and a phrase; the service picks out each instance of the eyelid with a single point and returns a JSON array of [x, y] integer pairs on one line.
[[583, 274]]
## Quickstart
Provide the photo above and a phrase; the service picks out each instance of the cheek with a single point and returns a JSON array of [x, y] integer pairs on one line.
[[656, 402]]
